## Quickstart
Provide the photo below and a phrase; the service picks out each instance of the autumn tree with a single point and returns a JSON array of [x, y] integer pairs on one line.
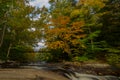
[[65, 25], [63, 34], [20, 28]]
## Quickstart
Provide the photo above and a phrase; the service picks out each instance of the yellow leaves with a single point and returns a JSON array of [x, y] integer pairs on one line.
[[64, 33], [60, 21], [56, 45], [67, 37], [56, 32], [78, 24], [75, 42], [93, 3], [61, 38], [75, 13], [77, 27], [64, 20]]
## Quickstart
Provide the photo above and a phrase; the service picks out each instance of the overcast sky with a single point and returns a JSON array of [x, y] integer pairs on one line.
[[39, 3]]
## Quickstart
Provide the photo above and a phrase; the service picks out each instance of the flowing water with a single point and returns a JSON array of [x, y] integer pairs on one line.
[[72, 75], [46, 72]]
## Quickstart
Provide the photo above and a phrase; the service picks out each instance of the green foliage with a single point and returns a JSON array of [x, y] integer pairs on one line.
[[75, 13], [56, 55], [113, 58], [22, 57], [29, 57], [80, 58], [22, 54], [43, 56], [63, 38], [71, 30], [110, 19], [16, 27], [113, 50], [91, 36]]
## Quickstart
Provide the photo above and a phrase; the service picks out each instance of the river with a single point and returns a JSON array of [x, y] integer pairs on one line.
[[80, 74]]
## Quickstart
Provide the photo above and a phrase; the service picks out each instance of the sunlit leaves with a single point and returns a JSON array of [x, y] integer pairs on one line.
[[75, 28], [19, 23], [64, 33], [60, 21], [75, 13], [94, 4]]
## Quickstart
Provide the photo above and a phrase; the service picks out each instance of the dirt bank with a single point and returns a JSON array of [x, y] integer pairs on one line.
[[29, 74]]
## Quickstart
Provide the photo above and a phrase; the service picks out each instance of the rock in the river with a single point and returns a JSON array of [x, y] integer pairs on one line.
[[112, 78], [79, 76]]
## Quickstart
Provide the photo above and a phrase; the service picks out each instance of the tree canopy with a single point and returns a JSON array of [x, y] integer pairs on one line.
[[71, 29]]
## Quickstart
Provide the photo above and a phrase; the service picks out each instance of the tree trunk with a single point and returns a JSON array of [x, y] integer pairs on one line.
[[4, 28], [3, 33], [8, 52], [91, 41]]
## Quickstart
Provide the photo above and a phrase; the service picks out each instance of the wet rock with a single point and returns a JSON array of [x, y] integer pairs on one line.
[[90, 77], [84, 72], [112, 78]]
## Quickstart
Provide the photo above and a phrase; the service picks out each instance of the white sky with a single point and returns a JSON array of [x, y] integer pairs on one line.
[[39, 3]]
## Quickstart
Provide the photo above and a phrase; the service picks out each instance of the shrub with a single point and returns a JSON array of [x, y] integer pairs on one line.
[[43, 56], [80, 58], [113, 58]]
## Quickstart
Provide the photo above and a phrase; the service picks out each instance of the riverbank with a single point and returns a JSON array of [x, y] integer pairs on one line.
[[29, 74], [61, 71], [98, 68]]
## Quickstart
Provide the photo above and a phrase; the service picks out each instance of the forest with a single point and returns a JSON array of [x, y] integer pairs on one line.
[[72, 30]]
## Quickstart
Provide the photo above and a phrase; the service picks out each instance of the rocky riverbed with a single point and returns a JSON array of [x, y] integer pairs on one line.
[[62, 71], [86, 71], [99, 69]]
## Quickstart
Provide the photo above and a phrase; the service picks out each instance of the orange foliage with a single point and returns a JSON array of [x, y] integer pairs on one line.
[[60, 21], [64, 33]]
